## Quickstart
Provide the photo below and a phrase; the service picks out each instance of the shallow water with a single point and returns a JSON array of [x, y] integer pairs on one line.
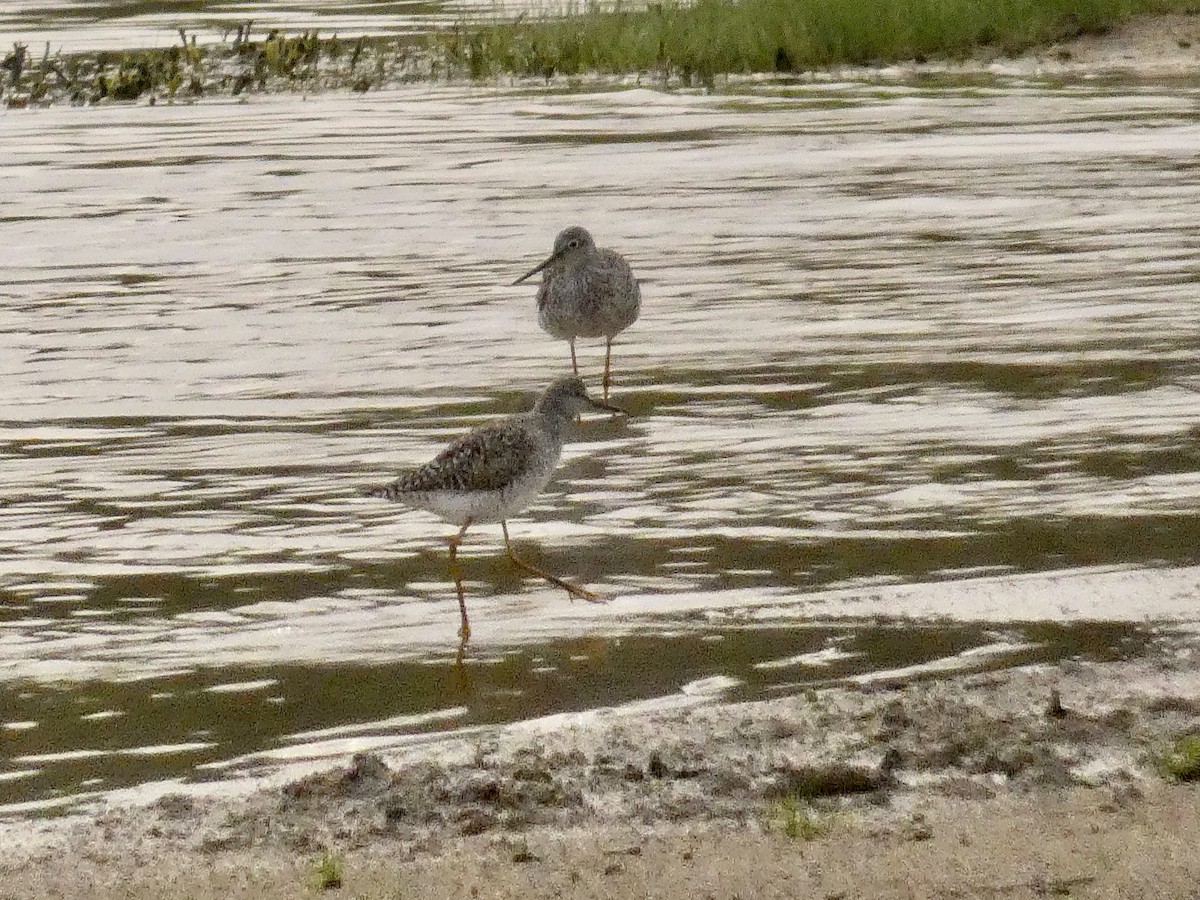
[[891, 337], [77, 25]]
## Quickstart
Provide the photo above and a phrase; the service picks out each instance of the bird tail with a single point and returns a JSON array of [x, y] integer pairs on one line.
[[387, 491]]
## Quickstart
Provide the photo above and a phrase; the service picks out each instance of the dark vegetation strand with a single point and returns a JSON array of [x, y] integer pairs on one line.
[[189, 70]]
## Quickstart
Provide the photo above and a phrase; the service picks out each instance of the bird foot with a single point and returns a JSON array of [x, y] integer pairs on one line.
[[583, 593]]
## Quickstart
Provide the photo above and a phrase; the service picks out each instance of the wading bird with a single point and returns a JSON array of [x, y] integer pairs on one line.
[[586, 291], [494, 471]]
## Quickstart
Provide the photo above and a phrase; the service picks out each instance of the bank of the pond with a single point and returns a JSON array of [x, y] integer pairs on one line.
[[707, 38], [1073, 779], [672, 44]]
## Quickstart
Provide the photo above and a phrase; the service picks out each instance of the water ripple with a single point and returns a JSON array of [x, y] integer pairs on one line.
[[893, 340]]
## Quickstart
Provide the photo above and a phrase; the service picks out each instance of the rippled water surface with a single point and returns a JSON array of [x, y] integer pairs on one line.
[[74, 25], [903, 351]]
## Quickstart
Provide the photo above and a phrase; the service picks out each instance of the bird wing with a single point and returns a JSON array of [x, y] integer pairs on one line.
[[485, 459], [608, 280], [616, 273]]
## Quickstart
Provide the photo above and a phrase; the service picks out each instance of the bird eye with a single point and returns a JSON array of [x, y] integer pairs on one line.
[[573, 244]]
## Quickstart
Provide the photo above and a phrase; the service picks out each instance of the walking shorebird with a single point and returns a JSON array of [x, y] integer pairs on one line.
[[494, 471], [586, 291]]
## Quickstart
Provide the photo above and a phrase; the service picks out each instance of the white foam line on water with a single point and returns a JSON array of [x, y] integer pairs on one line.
[[19, 774], [311, 755], [241, 687], [76, 755], [968, 659], [1108, 594], [41, 806], [167, 749], [693, 694], [1116, 594], [64, 756], [824, 657], [441, 715], [712, 686]]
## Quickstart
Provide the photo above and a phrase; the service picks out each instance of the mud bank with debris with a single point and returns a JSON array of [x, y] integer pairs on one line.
[[1072, 779]]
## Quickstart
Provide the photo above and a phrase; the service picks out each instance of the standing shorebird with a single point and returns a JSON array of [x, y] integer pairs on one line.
[[586, 291], [494, 471]]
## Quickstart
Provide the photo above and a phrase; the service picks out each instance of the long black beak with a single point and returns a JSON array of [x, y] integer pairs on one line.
[[551, 258], [600, 404]]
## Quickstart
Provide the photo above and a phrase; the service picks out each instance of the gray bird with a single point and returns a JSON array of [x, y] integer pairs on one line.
[[494, 471], [586, 291]]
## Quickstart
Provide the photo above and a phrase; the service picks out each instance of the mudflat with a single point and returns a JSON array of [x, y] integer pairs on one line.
[[1051, 780]]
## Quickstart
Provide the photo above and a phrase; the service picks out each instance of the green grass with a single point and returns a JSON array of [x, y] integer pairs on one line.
[[691, 40], [1182, 761], [326, 872], [795, 818], [710, 37]]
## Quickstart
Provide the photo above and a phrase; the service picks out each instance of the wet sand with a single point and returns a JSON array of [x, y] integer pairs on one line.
[[1074, 844], [978, 785]]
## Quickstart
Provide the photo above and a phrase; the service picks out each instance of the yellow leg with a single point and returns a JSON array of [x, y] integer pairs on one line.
[[607, 357], [456, 575], [573, 589], [574, 364]]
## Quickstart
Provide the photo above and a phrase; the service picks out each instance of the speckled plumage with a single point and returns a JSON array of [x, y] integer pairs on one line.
[[497, 469], [494, 471], [489, 458], [586, 291], [594, 296]]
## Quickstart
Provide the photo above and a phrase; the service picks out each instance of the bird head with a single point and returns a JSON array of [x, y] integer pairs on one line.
[[571, 244], [566, 398]]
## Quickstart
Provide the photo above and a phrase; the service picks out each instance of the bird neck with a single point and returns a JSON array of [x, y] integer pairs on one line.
[[572, 265], [553, 418]]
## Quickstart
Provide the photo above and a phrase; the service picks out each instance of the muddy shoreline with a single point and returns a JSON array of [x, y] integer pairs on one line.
[[579, 803], [1145, 47]]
